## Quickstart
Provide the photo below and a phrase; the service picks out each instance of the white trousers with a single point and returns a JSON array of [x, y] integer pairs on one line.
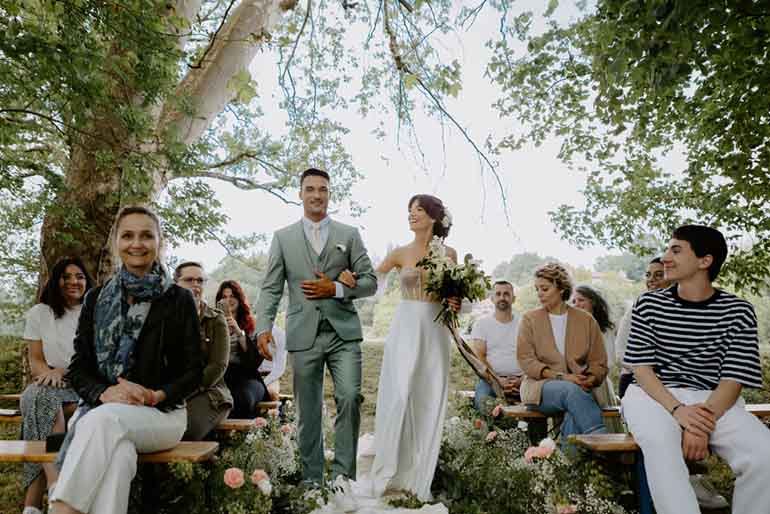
[[739, 438], [101, 460]]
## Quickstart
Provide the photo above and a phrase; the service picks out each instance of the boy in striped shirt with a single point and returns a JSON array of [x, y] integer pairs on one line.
[[693, 348]]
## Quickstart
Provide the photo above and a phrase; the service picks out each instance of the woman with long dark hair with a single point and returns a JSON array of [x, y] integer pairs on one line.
[[137, 357], [242, 376], [49, 398]]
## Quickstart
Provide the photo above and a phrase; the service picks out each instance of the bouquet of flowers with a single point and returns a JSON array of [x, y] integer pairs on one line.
[[447, 279]]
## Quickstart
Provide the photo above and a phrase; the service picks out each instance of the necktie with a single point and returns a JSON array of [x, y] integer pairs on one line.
[[315, 240]]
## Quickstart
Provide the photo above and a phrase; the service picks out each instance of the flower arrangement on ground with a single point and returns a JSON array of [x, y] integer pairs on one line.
[[487, 466], [446, 279]]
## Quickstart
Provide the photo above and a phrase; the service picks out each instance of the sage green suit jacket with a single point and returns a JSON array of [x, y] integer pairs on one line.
[[293, 260]]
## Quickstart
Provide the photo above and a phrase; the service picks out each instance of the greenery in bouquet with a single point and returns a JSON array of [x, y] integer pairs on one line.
[[447, 279]]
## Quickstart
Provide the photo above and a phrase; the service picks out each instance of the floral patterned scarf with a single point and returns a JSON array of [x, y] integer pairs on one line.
[[118, 324]]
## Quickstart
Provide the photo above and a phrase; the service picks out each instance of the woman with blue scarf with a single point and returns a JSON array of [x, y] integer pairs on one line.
[[137, 356]]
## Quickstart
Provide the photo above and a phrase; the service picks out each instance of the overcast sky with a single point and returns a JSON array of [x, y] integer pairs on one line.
[[534, 180]]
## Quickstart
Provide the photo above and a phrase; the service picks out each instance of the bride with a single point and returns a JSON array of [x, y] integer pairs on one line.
[[413, 387]]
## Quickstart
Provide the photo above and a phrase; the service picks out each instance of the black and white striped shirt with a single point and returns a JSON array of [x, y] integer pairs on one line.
[[695, 344]]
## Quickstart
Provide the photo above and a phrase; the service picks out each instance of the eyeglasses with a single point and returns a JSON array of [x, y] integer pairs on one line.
[[194, 280]]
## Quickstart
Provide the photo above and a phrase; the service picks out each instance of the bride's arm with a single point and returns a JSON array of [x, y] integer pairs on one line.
[[390, 261]]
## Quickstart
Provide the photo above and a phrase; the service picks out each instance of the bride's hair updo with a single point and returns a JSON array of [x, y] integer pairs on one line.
[[436, 210]]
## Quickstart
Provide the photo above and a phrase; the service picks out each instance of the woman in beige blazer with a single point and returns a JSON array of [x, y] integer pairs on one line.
[[561, 350]]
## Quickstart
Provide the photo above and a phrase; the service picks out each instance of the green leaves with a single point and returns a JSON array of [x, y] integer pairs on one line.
[[243, 86], [630, 82]]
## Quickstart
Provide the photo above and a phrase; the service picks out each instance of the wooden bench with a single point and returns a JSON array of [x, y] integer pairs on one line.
[[522, 412], [34, 451], [14, 397]]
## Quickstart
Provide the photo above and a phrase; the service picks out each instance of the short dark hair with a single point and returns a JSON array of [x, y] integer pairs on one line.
[[705, 241], [186, 264], [655, 260], [51, 294], [436, 210], [504, 283], [313, 172]]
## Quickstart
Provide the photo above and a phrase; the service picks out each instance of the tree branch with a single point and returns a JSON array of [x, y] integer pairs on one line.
[[244, 183], [213, 38], [402, 68]]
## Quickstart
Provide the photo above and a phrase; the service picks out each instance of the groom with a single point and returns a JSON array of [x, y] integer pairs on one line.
[[322, 326]]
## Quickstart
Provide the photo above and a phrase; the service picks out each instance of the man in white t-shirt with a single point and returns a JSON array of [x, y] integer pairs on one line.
[[494, 341]]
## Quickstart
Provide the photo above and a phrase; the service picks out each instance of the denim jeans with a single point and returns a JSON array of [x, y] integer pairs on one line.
[[483, 391], [582, 414]]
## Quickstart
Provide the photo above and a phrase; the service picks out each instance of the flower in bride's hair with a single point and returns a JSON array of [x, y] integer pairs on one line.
[[446, 221]]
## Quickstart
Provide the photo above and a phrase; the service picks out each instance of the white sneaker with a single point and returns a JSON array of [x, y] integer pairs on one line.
[[31, 510], [707, 496], [343, 495]]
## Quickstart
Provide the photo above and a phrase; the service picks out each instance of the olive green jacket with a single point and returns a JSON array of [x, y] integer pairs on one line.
[[215, 347]]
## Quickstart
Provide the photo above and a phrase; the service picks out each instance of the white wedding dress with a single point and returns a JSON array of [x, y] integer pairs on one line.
[[411, 404], [412, 393]]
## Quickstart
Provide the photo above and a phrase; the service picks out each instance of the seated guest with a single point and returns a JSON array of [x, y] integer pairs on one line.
[[653, 279], [494, 341], [242, 376], [588, 299], [212, 402], [686, 395], [137, 357], [272, 370], [561, 351], [49, 331]]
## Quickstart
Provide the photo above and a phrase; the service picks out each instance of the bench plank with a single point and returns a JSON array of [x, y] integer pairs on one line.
[[239, 425], [10, 397], [34, 451], [606, 443], [522, 412]]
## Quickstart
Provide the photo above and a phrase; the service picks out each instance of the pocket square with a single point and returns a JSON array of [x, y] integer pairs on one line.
[[341, 247]]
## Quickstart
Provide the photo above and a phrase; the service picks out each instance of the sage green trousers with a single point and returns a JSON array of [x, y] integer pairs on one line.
[[343, 359]]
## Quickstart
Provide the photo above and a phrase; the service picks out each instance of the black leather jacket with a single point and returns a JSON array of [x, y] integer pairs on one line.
[[167, 354]]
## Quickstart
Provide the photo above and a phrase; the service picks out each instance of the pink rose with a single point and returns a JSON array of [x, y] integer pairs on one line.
[[258, 476], [497, 410], [273, 413], [529, 455], [537, 452], [287, 429], [478, 424], [260, 422], [491, 436], [566, 509], [547, 447], [233, 478]]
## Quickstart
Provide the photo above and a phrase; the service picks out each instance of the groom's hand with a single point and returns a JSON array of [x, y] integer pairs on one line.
[[317, 289], [263, 344]]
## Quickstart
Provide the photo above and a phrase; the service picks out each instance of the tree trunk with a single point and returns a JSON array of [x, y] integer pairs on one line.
[[80, 221]]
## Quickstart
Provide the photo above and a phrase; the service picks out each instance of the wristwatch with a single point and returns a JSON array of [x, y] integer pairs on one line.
[[558, 376]]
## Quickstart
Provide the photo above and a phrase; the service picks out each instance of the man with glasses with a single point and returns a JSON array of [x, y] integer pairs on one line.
[[212, 403]]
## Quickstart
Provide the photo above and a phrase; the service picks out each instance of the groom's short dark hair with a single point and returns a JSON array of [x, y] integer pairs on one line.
[[313, 172]]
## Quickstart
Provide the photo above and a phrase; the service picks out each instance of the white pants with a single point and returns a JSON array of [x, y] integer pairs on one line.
[[101, 460], [739, 438]]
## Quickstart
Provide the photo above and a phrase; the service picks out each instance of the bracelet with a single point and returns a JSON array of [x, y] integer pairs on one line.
[[673, 410]]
